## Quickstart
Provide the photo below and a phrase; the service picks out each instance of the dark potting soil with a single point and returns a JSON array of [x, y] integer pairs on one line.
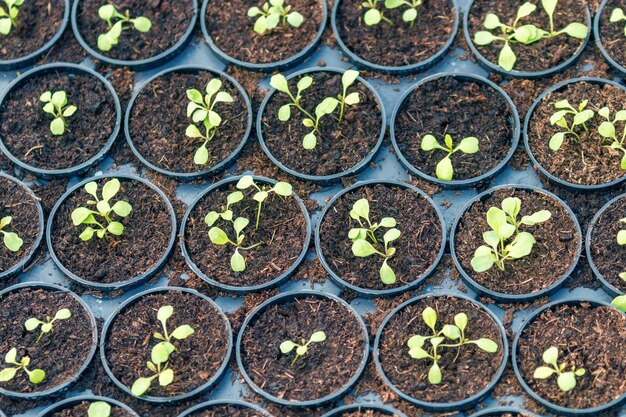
[[612, 34], [541, 55], [80, 410], [60, 353], [233, 32], [552, 255], [38, 22], [170, 20], [416, 249], [585, 162], [465, 372], [159, 119], [18, 203], [339, 146], [229, 411], [25, 127], [366, 413], [326, 368], [460, 108], [197, 358], [282, 229], [147, 232], [397, 45], [587, 337]]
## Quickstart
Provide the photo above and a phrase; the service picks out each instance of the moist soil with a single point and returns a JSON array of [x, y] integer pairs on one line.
[[147, 232], [460, 108], [19, 203], [541, 55], [233, 32], [80, 410], [229, 411], [326, 368], [552, 255], [587, 337], [612, 34], [465, 372], [159, 119], [60, 353], [397, 45], [38, 22], [197, 358], [586, 162], [282, 228], [340, 146], [416, 248], [25, 127], [170, 20]]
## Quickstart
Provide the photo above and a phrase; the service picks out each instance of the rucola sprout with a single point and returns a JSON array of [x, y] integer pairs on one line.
[[566, 380], [117, 23], [301, 349]]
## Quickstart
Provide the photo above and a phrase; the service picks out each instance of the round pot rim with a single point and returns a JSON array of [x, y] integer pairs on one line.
[[165, 400], [92, 351], [525, 74], [538, 167], [282, 64], [339, 411], [187, 176], [402, 69], [243, 289], [72, 69], [500, 296], [438, 406], [549, 405], [281, 299], [469, 182], [598, 36], [140, 64], [323, 179], [223, 402], [131, 282], [492, 411], [29, 256], [23, 61], [73, 400], [367, 292]]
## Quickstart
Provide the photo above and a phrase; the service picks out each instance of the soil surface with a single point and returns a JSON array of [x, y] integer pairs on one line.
[[80, 410], [366, 413], [612, 34], [229, 411]]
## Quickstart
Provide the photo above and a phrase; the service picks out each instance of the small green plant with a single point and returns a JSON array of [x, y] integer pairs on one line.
[[35, 376], [608, 131], [281, 188], [364, 238], [566, 380], [219, 237], [46, 326], [504, 226], [454, 333], [103, 210], [617, 15], [620, 303], [271, 14], [621, 240], [374, 16], [287, 346], [117, 23], [11, 239], [99, 409], [444, 170], [8, 17], [580, 118], [56, 105]]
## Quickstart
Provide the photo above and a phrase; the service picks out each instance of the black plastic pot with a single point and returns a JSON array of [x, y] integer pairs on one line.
[[112, 286], [164, 400], [17, 268], [422, 65], [365, 292], [64, 387], [500, 296], [323, 179], [499, 411], [286, 298], [523, 74], [218, 403], [142, 64], [24, 61], [70, 402], [470, 182], [73, 69], [188, 176], [388, 411], [598, 36], [553, 179], [558, 410], [441, 407], [267, 66], [231, 288]]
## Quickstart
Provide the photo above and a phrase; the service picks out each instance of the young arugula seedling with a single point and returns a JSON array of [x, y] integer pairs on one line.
[[272, 14], [410, 14], [99, 409], [621, 240], [55, 104], [362, 236], [8, 17], [617, 15], [444, 170], [504, 226], [581, 116], [36, 376], [453, 332], [347, 79], [103, 209], [373, 16], [619, 303], [219, 237], [46, 326], [11, 239], [117, 23], [281, 188], [608, 131], [287, 346], [566, 379]]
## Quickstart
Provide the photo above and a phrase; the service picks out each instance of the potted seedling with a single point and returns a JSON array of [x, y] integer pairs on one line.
[[89, 406], [609, 28], [225, 407]]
